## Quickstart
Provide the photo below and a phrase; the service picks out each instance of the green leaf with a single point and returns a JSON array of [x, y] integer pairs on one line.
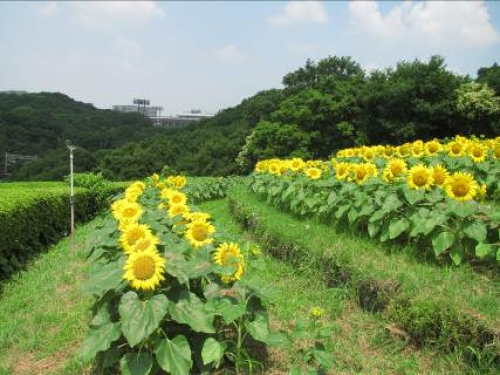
[[463, 209], [213, 351], [108, 277], [456, 255], [141, 318], [190, 310], [476, 231], [498, 255], [483, 250], [342, 210], [197, 267], [397, 227], [99, 339], [413, 196], [228, 310], [258, 328], [136, 364], [373, 229], [442, 242], [278, 340], [174, 356]]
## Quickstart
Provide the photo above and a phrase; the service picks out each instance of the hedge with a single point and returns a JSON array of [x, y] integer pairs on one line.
[[35, 215]]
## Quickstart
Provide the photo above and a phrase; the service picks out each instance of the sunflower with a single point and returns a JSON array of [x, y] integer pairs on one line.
[[177, 209], [145, 269], [296, 164], [439, 174], [387, 175], [313, 173], [362, 172], [161, 185], [123, 224], [496, 151], [274, 168], [229, 254], [342, 170], [261, 166], [177, 181], [461, 186], [368, 153], [176, 197], [131, 234], [155, 177], [128, 210], [165, 193], [432, 147], [132, 193], [455, 149], [199, 233], [194, 216], [397, 167], [404, 150], [481, 193], [420, 177], [144, 244], [316, 312], [417, 149], [477, 152], [388, 151]]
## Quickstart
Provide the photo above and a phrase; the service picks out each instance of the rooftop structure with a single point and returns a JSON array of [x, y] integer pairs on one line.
[[140, 106]]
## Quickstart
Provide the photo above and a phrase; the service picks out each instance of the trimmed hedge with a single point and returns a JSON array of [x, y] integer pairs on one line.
[[415, 305], [35, 215]]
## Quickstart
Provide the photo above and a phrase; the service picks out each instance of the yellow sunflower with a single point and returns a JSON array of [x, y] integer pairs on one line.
[[368, 153], [155, 177], [177, 209], [461, 186], [342, 170], [229, 254], [177, 181], [362, 172], [387, 175], [199, 233], [313, 173], [432, 147], [455, 149], [144, 244], [296, 164], [133, 233], [194, 216], [388, 151], [404, 150], [481, 193], [439, 174], [145, 270], [165, 193], [477, 152], [420, 177], [397, 167], [128, 210], [176, 197], [123, 224], [417, 149], [132, 193], [261, 166]]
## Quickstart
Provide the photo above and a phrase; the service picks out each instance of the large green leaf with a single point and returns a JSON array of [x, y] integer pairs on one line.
[[413, 196], [456, 255], [228, 310], [258, 328], [192, 311], [397, 227], [141, 318], [442, 242], [213, 351], [108, 277], [483, 250], [174, 356], [136, 364], [462, 209], [476, 231], [99, 339]]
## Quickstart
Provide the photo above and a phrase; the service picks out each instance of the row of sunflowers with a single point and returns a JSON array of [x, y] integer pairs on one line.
[[439, 193], [169, 292]]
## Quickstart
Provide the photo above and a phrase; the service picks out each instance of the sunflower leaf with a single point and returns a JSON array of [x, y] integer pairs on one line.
[[141, 318], [136, 364], [174, 356], [190, 310]]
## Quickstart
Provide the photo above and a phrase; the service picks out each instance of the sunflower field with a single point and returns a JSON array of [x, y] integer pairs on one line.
[[440, 196]]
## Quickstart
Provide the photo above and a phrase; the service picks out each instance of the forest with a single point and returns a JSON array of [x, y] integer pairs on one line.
[[322, 107]]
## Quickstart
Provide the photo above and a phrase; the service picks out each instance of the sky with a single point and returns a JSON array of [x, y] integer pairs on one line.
[[212, 55]]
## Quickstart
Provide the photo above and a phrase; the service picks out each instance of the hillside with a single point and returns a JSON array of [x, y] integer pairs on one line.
[[39, 124]]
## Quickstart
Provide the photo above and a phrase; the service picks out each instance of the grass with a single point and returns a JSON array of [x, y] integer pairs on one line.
[[43, 312], [436, 304], [363, 343]]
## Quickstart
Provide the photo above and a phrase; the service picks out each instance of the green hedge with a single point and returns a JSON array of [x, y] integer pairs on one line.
[[35, 215]]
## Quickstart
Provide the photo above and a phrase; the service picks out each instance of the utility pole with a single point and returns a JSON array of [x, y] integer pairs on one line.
[[71, 148]]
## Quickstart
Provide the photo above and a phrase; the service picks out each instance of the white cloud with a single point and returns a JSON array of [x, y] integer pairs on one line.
[[48, 9], [127, 47], [300, 12], [103, 13], [436, 23], [229, 54]]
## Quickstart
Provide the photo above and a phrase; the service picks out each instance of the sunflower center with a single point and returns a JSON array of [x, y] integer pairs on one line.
[[396, 169], [134, 236], [199, 233], [420, 179], [477, 153], [460, 189], [360, 174], [144, 268], [456, 148], [176, 199], [497, 152], [129, 212], [228, 258], [438, 178], [142, 245]]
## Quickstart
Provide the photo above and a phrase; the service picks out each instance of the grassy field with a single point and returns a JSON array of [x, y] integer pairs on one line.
[[44, 316]]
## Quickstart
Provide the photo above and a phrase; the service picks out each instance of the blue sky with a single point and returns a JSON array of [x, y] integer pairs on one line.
[[211, 55]]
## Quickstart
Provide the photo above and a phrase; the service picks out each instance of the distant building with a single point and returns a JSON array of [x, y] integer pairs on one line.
[[140, 106], [186, 118]]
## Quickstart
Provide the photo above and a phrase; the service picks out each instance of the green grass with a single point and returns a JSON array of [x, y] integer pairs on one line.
[[436, 304], [362, 343], [43, 312]]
